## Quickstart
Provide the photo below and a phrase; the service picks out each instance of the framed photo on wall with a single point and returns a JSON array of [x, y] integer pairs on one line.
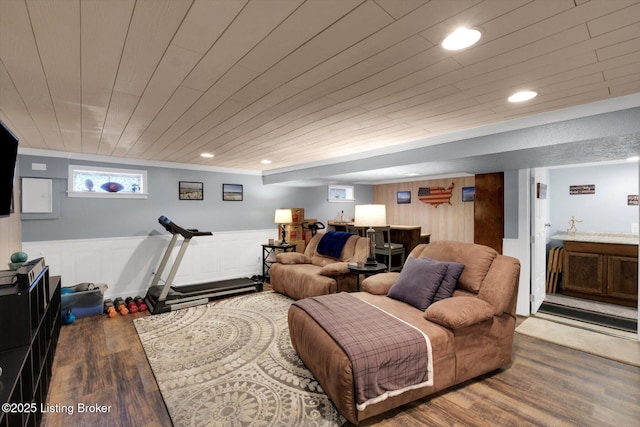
[[189, 190], [468, 194], [232, 192], [403, 197]]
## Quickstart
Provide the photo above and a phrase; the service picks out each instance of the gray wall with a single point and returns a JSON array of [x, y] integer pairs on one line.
[[604, 211], [511, 201], [83, 218]]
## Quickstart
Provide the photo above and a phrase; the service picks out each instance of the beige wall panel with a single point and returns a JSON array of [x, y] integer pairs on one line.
[[618, 49], [56, 27], [625, 89], [614, 20], [485, 14], [558, 102], [531, 53], [343, 69], [152, 27], [104, 29], [120, 108], [445, 222], [427, 86], [20, 56], [255, 22], [179, 102], [205, 22], [397, 9], [205, 106], [11, 105], [310, 19], [174, 66]]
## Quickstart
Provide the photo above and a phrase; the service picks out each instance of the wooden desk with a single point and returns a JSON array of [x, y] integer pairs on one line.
[[409, 236]]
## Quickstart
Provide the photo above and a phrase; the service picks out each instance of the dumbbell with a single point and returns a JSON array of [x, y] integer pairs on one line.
[[131, 305], [141, 305], [120, 306], [109, 309]]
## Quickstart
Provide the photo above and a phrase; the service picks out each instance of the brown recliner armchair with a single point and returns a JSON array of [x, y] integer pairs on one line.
[[313, 274], [471, 332]]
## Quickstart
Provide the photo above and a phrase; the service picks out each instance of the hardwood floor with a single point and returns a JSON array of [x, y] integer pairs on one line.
[[101, 361]]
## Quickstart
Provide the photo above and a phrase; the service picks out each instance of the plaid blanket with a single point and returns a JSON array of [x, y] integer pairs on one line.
[[388, 355]]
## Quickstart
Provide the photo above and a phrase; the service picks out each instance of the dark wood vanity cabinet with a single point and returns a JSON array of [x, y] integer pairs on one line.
[[605, 272]]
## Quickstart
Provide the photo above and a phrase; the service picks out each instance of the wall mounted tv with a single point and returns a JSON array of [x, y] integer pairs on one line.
[[8, 155]]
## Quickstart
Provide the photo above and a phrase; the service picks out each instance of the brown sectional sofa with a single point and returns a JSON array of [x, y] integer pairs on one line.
[[312, 274], [471, 333]]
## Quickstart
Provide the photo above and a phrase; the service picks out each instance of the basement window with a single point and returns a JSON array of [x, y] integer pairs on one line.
[[106, 182]]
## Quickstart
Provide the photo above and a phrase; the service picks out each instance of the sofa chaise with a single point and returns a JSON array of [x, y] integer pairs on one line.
[[317, 271], [470, 332]]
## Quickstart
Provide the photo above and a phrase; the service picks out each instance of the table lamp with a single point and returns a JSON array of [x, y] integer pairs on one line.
[[371, 216], [283, 216]]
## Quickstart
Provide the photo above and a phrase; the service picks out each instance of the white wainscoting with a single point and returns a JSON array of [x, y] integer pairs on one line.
[[519, 248], [127, 264]]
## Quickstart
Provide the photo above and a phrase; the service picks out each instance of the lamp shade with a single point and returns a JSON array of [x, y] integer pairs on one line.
[[283, 216], [370, 216]]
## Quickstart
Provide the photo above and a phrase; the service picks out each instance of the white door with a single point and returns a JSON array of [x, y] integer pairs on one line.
[[539, 238]]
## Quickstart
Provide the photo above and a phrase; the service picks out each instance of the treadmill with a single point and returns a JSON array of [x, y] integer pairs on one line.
[[165, 298]]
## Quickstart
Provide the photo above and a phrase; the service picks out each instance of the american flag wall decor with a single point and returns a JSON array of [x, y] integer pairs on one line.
[[435, 195]]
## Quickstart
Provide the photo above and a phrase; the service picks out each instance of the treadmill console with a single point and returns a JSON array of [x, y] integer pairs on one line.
[[174, 228]]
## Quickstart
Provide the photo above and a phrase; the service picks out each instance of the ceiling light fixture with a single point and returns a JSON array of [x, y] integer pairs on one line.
[[461, 39], [522, 96], [206, 155], [412, 174], [633, 159], [265, 162]]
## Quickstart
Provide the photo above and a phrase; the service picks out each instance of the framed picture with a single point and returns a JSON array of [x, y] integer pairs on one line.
[[188, 190], [340, 193], [232, 192], [403, 197], [468, 194], [541, 191]]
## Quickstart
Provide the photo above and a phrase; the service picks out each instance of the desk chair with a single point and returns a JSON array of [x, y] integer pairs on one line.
[[387, 249]]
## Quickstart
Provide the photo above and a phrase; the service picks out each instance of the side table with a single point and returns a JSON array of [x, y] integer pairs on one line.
[[366, 270], [268, 255]]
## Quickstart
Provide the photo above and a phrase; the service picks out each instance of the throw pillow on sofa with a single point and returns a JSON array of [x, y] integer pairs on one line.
[[418, 282], [450, 280]]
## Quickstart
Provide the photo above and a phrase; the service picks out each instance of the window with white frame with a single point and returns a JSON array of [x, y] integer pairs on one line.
[[89, 181]]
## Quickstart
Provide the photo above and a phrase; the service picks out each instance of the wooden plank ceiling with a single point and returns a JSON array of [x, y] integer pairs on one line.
[[291, 80]]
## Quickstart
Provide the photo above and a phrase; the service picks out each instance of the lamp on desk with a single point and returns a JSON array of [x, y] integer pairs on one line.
[[283, 216], [371, 216]]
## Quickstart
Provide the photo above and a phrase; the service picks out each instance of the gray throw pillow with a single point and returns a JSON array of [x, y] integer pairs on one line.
[[418, 282], [448, 285]]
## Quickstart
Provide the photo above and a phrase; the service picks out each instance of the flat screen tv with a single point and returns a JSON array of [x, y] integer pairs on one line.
[[8, 155]]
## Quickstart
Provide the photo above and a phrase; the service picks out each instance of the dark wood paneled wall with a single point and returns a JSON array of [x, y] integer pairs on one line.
[[488, 218]]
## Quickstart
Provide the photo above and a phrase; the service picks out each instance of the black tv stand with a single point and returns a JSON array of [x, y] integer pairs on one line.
[[28, 346]]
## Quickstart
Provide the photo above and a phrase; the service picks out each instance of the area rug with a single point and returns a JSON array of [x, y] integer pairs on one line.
[[603, 345], [231, 363]]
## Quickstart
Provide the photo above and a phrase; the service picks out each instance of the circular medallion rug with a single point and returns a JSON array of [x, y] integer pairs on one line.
[[231, 363]]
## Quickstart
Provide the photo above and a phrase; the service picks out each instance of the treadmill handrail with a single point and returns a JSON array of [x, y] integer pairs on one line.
[[174, 228]]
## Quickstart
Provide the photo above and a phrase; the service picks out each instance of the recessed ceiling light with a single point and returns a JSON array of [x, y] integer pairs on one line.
[[206, 155], [633, 159], [461, 38], [522, 96], [412, 174], [265, 162]]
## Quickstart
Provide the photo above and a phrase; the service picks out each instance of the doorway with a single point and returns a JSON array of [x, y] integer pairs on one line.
[[543, 301]]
